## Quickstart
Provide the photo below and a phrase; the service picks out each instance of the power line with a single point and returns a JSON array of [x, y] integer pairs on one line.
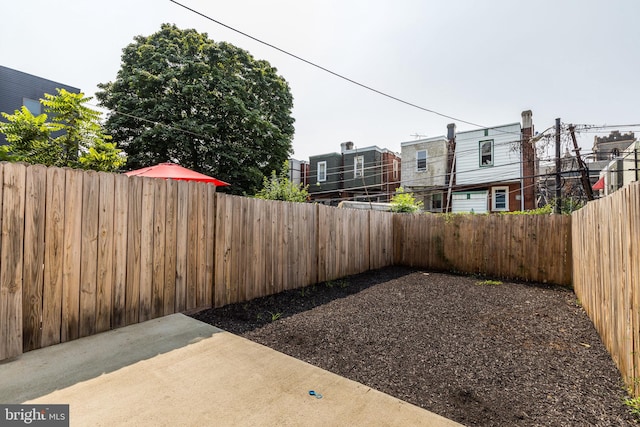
[[313, 64]]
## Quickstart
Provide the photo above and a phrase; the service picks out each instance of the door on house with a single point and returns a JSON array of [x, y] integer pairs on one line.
[[470, 201]]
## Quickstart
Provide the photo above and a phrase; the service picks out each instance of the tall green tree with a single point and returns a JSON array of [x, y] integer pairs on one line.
[[68, 133], [208, 106]]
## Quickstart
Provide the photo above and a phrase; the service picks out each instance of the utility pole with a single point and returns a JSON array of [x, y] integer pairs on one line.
[[584, 178], [558, 209]]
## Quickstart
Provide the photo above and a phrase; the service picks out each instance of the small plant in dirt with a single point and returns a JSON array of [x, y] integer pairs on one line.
[[489, 283], [342, 284], [275, 316], [633, 404]]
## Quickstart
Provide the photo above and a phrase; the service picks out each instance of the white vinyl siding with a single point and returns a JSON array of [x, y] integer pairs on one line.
[[322, 171], [505, 155], [469, 201]]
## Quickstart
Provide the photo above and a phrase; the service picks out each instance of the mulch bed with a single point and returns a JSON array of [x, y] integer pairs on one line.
[[480, 354]]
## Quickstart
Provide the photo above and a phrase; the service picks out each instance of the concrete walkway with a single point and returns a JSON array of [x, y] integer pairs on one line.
[[177, 371]]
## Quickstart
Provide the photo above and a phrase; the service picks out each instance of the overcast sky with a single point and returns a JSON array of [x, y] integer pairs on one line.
[[479, 61]]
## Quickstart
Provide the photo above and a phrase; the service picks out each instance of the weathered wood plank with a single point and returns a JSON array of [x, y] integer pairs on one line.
[[201, 245], [120, 247], [182, 239], [193, 239], [53, 257], [146, 248], [210, 245], [70, 328], [106, 237], [134, 230], [11, 256], [171, 217], [159, 247], [34, 243], [89, 253]]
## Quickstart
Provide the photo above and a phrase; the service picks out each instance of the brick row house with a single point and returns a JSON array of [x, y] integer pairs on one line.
[[484, 170], [368, 174]]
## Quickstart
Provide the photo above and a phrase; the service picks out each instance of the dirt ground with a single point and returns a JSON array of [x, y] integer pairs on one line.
[[482, 354]]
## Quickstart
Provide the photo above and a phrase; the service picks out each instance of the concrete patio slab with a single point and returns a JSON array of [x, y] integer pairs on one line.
[[176, 370]]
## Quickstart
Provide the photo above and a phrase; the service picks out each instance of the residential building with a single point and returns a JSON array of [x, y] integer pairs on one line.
[[363, 174], [620, 171], [19, 89], [426, 170], [298, 171], [494, 169], [325, 178]]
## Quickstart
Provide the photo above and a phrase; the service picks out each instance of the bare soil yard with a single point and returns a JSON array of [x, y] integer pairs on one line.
[[480, 353]]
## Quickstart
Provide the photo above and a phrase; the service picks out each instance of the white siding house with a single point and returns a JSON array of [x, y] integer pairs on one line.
[[494, 169], [488, 155]]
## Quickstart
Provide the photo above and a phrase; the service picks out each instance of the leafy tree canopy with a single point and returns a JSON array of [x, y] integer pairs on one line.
[[208, 106], [67, 134], [280, 187], [404, 202]]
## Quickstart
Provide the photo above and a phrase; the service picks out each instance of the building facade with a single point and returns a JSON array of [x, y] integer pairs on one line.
[[360, 174], [426, 170], [494, 169], [19, 89]]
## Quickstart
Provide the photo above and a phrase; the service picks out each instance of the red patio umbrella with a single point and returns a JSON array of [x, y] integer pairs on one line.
[[599, 185], [174, 171]]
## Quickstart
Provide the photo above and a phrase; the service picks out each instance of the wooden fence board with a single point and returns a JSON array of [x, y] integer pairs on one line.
[[11, 260], [201, 246], [53, 257], [89, 253], [210, 245], [72, 256], [170, 251], [146, 248], [159, 247], [192, 247], [134, 230], [182, 247], [120, 255], [105, 263], [34, 242]]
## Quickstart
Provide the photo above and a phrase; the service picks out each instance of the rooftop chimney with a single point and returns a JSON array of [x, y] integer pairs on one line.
[[451, 131], [345, 146], [527, 120]]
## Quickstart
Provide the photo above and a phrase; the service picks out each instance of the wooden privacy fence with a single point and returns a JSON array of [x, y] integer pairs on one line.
[[83, 252], [526, 247], [606, 274]]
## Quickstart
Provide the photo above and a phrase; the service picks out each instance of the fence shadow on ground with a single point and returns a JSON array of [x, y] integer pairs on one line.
[[243, 317]]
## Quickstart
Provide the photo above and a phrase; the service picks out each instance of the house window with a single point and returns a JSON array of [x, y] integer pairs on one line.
[[322, 171], [500, 197], [33, 106], [395, 169], [421, 160], [358, 166], [486, 153]]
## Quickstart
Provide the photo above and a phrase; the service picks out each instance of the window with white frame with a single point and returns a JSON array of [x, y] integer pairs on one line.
[[486, 153], [322, 171], [358, 166], [500, 198], [421, 160], [396, 168]]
